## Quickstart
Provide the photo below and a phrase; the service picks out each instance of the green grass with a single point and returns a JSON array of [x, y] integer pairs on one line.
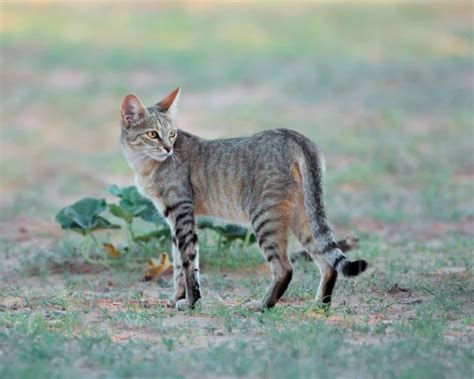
[[50, 338], [384, 89], [110, 324]]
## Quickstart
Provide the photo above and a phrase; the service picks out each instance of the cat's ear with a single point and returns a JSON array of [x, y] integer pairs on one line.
[[132, 110], [169, 105]]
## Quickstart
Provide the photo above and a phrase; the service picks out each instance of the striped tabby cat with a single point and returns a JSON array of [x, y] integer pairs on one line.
[[273, 179]]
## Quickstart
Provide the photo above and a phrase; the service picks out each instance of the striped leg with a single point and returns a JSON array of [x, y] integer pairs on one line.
[[302, 231], [178, 276], [186, 253], [327, 282], [271, 228]]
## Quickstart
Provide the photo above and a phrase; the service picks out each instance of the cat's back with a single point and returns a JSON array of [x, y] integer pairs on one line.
[[267, 140], [243, 157]]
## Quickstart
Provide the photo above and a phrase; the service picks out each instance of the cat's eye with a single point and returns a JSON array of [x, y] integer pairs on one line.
[[171, 134], [152, 134]]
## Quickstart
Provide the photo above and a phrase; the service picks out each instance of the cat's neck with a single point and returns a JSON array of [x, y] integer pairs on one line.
[[141, 163]]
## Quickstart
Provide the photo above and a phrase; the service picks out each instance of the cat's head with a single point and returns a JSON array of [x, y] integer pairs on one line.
[[151, 131]]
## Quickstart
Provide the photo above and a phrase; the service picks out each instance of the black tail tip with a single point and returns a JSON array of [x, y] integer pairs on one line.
[[354, 268]]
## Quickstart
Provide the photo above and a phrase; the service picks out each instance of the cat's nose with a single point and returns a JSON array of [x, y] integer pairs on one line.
[[167, 149]]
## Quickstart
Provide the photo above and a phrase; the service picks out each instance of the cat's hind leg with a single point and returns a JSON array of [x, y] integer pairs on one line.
[[271, 228], [301, 229]]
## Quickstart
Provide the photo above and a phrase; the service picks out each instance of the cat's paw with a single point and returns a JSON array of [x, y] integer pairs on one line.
[[172, 301], [254, 306], [182, 305], [323, 301]]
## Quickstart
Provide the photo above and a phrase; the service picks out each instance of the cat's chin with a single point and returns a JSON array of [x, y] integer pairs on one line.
[[160, 157]]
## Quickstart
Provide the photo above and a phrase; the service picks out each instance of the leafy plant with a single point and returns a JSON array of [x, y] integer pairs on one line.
[[132, 204], [85, 217]]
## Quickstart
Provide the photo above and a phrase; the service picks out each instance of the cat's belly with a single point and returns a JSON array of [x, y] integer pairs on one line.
[[225, 210]]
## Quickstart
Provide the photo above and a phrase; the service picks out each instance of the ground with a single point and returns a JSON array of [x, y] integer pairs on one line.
[[385, 89]]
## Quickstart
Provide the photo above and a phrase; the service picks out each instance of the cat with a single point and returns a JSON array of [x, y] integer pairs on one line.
[[273, 180]]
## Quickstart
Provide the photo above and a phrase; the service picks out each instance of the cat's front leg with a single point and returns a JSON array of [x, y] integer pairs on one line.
[[178, 276], [181, 215]]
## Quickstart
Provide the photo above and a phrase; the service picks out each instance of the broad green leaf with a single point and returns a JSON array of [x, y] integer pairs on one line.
[[83, 216], [119, 212], [134, 204]]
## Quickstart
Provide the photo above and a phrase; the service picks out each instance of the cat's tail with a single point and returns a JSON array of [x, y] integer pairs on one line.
[[313, 169]]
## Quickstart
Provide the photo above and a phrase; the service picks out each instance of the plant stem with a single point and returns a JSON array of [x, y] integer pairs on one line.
[[86, 249], [130, 234], [219, 241], [97, 245]]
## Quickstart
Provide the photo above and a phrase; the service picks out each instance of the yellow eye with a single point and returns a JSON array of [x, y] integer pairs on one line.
[[172, 134], [152, 134]]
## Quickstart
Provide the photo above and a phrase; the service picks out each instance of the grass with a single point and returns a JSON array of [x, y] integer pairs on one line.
[[384, 89], [55, 334], [410, 318]]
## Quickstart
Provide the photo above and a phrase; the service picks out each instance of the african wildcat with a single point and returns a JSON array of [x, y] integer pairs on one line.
[[274, 179]]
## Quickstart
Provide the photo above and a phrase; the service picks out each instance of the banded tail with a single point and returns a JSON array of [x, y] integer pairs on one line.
[[346, 244], [313, 190]]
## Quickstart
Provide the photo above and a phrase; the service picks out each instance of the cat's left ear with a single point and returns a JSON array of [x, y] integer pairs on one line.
[[133, 110], [169, 105]]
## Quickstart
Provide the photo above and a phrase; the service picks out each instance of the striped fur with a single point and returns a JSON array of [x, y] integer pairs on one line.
[[273, 180]]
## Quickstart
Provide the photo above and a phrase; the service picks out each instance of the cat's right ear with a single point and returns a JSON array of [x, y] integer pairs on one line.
[[169, 105], [132, 110]]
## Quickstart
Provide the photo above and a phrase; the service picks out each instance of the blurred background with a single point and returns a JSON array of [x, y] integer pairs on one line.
[[385, 88]]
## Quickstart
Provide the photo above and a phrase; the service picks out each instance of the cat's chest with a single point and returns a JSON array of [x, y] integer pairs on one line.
[[151, 190]]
